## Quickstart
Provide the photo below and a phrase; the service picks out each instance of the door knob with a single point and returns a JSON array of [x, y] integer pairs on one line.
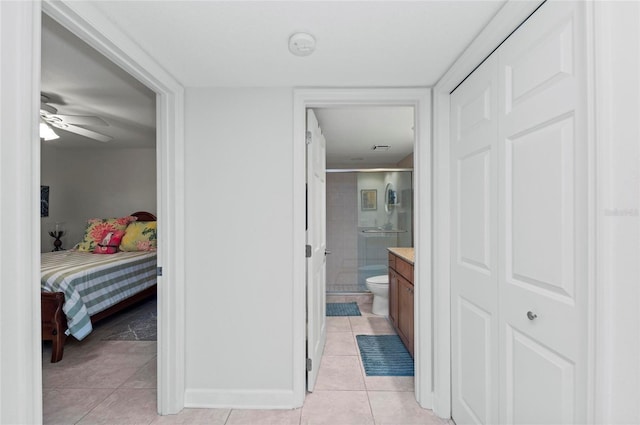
[[531, 315], [327, 252]]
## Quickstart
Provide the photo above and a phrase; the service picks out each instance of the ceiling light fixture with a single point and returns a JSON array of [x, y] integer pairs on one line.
[[302, 44], [47, 132]]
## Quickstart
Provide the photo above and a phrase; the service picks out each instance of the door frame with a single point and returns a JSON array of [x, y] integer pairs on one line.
[[90, 25], [21, 350], [502, 25], [420, 99]]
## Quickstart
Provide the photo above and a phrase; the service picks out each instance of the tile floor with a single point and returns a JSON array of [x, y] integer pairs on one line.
[[114, 382]]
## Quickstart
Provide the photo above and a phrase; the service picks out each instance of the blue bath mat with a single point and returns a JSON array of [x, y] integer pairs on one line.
[[384, 355], [343, 309]]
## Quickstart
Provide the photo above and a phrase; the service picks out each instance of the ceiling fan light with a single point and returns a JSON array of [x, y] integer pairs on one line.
[[47, 132]]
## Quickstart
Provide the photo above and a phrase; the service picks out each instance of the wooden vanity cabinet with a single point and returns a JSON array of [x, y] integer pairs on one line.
[[401, 299], [405, 313], [393, 297]]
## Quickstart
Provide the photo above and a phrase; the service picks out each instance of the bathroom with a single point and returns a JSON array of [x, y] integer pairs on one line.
[[369, 194], [368, 211]]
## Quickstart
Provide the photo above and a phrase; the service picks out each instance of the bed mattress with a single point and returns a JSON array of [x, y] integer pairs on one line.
[[92, 283]]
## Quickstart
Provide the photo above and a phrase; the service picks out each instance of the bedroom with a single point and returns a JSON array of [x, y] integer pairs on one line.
[[230, 109], [103, 168]]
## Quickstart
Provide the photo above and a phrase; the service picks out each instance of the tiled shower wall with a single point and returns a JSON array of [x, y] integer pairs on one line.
[[342, 232]]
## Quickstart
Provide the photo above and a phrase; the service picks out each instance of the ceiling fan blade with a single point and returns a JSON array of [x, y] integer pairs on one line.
[[83, 132], [82, 120]]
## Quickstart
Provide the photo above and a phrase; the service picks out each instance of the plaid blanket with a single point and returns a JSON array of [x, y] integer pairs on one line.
[[92, 283]]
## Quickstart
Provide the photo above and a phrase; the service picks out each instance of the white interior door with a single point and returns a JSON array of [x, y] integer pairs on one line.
[[317, 241], [519, 273], [543, 227], [474, 270]]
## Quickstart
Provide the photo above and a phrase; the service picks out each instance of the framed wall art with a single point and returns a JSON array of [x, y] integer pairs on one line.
[[369, 199]]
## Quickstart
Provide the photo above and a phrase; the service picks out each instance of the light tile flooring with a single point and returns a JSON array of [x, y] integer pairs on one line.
[[114, 382]]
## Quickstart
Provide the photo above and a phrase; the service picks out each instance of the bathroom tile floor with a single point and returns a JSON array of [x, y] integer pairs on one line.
[[114, 382]]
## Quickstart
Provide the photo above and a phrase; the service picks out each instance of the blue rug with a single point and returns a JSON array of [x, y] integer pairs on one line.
[[384, 355], [343, 309]]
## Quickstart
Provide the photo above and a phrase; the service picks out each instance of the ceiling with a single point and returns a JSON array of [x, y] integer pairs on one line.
[[359, 43], [244, 44], [351, 132], [80, 81]]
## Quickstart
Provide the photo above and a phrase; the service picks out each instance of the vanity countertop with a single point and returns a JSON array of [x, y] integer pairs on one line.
[[407, 254]]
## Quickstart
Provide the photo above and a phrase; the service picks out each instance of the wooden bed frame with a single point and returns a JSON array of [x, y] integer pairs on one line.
[[54, 321]]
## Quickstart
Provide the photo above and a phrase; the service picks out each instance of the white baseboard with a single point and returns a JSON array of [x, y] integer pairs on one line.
[[240, 399]]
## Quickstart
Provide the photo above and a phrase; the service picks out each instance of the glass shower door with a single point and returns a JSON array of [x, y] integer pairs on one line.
[[367, 212]]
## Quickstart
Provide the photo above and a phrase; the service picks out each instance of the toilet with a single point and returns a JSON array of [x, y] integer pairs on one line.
[[379, 287]]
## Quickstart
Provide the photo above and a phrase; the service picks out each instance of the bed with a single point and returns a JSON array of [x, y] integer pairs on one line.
[[82, 288]]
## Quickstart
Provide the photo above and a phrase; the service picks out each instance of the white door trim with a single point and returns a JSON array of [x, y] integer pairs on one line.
[[616, 359], [20, 344], [505, 22], [420, 99], [85, 21]]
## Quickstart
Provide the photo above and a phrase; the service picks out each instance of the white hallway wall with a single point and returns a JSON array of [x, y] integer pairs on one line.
[[239, 253], [618, 158], [94, 183]]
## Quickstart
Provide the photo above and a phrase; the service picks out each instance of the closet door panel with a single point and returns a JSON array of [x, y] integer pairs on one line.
[[543, 205], [474, 249], [535, 366], [474, 176], [538, 189], [530, 73]]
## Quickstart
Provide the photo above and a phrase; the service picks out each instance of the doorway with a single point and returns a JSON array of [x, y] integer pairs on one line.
[[83, 125], [101, 35], [419, 99]]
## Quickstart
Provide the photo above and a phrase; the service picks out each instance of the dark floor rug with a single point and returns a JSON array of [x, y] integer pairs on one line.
[[138, 324], [384, 355], [343, 309]]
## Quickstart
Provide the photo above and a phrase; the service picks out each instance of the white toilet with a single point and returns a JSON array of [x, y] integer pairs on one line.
[[379, 287]]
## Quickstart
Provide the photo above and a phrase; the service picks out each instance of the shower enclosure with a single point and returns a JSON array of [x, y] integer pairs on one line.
[[367, 212]]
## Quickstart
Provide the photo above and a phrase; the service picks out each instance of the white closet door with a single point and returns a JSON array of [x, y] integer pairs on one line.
[[543, 226], [519, 227], [474, 272]]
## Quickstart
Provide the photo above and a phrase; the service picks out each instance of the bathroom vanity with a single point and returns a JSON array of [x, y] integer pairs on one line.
[[401, 262]]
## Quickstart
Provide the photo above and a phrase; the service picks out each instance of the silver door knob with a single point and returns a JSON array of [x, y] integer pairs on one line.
[[531, 315], [327, 252]]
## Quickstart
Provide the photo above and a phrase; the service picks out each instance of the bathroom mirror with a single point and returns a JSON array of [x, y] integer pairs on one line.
[[390, 198]]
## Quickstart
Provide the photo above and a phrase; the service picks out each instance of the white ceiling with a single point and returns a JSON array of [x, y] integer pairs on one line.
[[359, 43], [351, 132], [244, 44]]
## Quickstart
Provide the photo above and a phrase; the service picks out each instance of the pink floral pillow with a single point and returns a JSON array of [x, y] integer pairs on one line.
[[110, 242], [96, 227]]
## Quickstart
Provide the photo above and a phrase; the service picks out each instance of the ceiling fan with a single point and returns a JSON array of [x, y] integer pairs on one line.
[[50, 118]]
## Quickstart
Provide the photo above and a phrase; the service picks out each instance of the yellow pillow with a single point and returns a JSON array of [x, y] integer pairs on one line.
[[96, 228], [140, 236]]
